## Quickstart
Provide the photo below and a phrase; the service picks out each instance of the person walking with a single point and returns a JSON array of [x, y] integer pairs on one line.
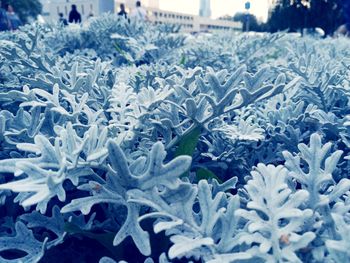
[[62, 20], [139, 13], [74, 15], [122, 11], [346, 10], [13, 18], [4, 21], [344, 29]]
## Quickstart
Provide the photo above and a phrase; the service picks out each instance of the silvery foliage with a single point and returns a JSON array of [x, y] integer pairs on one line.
[[225, 148]]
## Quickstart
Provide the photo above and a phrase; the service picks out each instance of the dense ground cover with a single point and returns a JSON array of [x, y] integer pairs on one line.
[[133, 142]]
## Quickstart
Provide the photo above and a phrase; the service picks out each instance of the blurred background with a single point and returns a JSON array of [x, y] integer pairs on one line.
[[300, 16]]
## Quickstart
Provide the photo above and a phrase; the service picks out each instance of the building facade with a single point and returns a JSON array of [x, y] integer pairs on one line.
[[132, 3], [189, 23], [51, 8]]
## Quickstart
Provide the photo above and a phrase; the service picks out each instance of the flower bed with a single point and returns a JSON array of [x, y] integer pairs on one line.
[[155, 146]]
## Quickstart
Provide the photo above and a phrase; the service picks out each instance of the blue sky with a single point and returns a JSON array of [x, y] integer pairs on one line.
[[219, 7]]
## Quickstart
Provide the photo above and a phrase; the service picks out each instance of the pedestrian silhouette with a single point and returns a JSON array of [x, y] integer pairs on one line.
[[62, 20], [122, 11], [346, 10], [74, 15], [344, 29], [139, 12], [13, 18], [4, 21]]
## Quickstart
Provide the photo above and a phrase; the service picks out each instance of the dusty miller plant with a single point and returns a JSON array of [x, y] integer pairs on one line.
[[128, 142]]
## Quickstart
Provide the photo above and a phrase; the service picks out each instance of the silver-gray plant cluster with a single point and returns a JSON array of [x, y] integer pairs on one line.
[[208, 148]]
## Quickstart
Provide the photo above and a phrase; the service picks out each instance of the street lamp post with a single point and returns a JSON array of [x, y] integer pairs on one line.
[[247, 7]]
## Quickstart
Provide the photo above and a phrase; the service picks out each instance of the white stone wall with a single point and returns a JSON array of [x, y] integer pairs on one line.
[[192, 23]]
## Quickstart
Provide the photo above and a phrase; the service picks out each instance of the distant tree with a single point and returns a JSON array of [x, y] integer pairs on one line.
[[26, 9], [290, 15], [326, 14], [298, 14]]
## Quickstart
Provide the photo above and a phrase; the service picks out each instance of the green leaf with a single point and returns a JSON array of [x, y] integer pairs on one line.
[[188, 143], [105, 239], [205, 174], [183, 60], [123, 54], [117, 48]]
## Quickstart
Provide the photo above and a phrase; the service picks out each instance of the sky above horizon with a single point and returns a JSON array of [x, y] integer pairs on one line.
[[219, 7]]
